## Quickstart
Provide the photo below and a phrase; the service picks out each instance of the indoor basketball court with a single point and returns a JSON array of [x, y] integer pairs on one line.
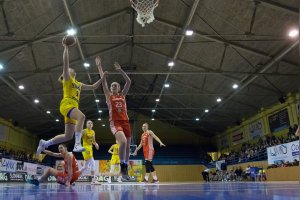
[[149, 99], [247, 191]]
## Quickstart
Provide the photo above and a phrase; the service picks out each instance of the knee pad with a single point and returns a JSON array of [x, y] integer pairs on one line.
[[151, 167], [148, 166]]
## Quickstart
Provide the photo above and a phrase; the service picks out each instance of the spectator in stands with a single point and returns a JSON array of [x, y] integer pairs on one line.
[[295, 128], [16, 155], [297, 132], [213, 176], [219, 175], [205, 175], [284, 164], [232, 175], [296, 162], [239, 173], [224, 171], [248, 173]]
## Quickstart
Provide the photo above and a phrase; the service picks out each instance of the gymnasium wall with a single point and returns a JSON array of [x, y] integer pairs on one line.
[[16, 138], [283, 174], [179, 173], [192, 173], [242, 133]]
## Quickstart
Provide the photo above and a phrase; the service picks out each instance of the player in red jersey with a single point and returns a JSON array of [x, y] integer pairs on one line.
[[147, 144], [118, 118], [70, 173]]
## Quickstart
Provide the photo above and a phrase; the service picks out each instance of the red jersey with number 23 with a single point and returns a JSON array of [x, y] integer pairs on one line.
[[117, 108]]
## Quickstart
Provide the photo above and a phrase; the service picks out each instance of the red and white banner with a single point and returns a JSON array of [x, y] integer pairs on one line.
[[237, 137]]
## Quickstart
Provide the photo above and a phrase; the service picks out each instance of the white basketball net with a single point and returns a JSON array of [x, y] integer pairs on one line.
[[144, 9]]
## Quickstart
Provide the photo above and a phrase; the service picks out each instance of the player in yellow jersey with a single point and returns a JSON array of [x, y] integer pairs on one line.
[[74, 118], [88, 140], [114, 162]]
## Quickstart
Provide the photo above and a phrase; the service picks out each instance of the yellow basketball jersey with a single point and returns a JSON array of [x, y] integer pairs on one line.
[[72, 89], [88, 137], [116, 149]]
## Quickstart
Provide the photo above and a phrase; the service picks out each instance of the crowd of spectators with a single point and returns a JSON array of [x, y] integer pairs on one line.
[[238, 174], [254, 152], [234, 174], [251, 152], [17, 155], [284, 164]]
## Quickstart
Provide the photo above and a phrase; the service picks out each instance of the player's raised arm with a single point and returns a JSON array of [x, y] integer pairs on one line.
[[66, 74], [104, 84], [125, 76], [93, 86]]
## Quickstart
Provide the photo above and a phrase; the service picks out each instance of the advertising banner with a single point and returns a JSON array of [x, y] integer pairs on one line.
[[8, 165], [284, 152], [16, 177], [279, 121], [41, 169], [4, 177], [256, 129], [30, 168], [237, 136]]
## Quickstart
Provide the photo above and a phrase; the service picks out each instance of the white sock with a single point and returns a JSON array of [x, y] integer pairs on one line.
[[155, 177], [49, 143], [146, 178], [78, 138]]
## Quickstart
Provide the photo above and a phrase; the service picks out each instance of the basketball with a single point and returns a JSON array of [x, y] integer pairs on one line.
[[69, 40]]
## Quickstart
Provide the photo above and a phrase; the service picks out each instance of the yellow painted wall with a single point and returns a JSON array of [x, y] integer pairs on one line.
[[17, 138], [283, 174], [263, 114]]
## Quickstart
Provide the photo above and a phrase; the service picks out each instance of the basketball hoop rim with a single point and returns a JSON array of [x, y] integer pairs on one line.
[[145, 10]]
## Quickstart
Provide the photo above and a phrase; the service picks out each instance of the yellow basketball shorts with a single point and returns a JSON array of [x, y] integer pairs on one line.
[[88, 153], [115, 159], [66, 105]]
